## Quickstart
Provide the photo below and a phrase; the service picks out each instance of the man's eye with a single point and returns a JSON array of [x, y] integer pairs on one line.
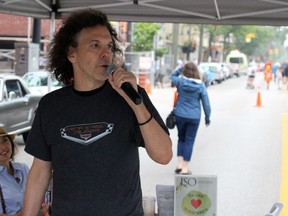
[[110, 46], [95, 45]]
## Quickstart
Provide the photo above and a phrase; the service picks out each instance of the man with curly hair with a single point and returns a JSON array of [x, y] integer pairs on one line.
[[88, 133]]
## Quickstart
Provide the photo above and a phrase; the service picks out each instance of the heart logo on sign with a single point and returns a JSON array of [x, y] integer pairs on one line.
[[196, 203]]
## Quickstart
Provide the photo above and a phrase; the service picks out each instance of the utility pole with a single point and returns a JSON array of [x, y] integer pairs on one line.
[[36, 37], [175, 43], [128, 56], [200, 44]]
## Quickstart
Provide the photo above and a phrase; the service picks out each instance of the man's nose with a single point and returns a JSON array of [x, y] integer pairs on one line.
[[106, 52]]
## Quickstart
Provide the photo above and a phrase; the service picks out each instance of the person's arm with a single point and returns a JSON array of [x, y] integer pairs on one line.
[[177, 72], [175, 76], [157, 142], [206, 105], [37, 184]]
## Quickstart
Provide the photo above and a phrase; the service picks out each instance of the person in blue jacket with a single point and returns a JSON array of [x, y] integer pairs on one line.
[[191, 93], [13, 177]]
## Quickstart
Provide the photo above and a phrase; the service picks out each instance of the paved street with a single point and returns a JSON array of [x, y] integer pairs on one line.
[[242, 147]]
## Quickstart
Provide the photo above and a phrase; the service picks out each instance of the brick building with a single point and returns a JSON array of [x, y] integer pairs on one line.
[[20, 29], [15, 29]]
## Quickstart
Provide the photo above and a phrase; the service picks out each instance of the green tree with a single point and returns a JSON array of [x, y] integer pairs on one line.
[[259, 46], [143, 38], [267, 42]]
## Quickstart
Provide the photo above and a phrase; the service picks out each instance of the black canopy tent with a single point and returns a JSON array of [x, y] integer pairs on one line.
[[239, 12]]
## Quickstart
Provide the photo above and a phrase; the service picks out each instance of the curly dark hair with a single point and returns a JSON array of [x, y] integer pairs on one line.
[[66, 37]]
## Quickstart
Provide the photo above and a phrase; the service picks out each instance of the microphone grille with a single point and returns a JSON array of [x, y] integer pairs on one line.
[[110, 69]]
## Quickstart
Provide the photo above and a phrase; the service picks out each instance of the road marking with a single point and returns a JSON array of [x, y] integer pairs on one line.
[[284, 171]]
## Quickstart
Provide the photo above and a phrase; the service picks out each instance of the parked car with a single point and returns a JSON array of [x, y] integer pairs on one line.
[[223, 67], [207, 76], [17, 105], [37, 82], [227, 70], [214, 68]]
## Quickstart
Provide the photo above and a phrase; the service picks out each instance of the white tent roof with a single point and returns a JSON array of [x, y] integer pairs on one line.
[[254, 12]]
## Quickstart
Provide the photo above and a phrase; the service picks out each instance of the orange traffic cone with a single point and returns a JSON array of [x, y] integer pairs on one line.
[[148, 88], [258, 103], [142, 79]]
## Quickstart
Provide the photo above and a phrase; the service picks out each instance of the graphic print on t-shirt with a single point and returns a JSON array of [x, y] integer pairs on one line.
[[85, 134]]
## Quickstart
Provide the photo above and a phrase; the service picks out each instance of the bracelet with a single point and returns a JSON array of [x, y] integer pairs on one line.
[[150, 118]]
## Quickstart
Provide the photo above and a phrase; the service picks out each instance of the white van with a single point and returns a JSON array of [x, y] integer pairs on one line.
[[238, 62]]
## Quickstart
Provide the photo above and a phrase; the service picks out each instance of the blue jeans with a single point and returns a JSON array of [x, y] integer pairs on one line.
[[187, 130]]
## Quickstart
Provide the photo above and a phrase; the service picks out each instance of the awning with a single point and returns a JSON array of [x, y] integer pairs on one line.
[[250, 12]]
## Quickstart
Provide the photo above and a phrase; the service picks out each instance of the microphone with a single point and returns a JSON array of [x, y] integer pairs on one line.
[[126, 87]]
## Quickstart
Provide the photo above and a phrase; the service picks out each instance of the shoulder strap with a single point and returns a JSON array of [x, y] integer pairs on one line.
[[2, 201]]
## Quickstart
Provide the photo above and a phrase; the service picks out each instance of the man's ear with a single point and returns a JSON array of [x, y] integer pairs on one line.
[[71, 55]]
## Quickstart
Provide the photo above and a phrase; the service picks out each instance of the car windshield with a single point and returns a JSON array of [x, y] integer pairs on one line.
[[213, 68], [36, 81], [203, 68], [40, 79], [210, 68], [236, 60]]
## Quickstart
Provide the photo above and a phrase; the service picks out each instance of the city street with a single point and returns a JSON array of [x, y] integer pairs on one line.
[[242, 146]]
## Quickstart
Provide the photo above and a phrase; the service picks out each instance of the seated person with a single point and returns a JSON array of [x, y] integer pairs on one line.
[[13, 177]]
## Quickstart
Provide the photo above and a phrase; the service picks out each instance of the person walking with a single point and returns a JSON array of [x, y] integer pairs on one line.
[[275, 68], [159, 77], [13, 177], [89, 131], [285, 76], [268, 75], [191, 94], [279, 76]]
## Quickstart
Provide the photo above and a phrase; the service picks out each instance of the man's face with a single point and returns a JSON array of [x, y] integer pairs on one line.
[[91, 57]]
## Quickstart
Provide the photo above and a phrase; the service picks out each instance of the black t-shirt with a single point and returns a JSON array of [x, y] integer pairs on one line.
[[92, 139]]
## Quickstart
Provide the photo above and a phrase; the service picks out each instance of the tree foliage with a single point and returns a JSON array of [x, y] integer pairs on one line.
[[267, 42], [143, 38]]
